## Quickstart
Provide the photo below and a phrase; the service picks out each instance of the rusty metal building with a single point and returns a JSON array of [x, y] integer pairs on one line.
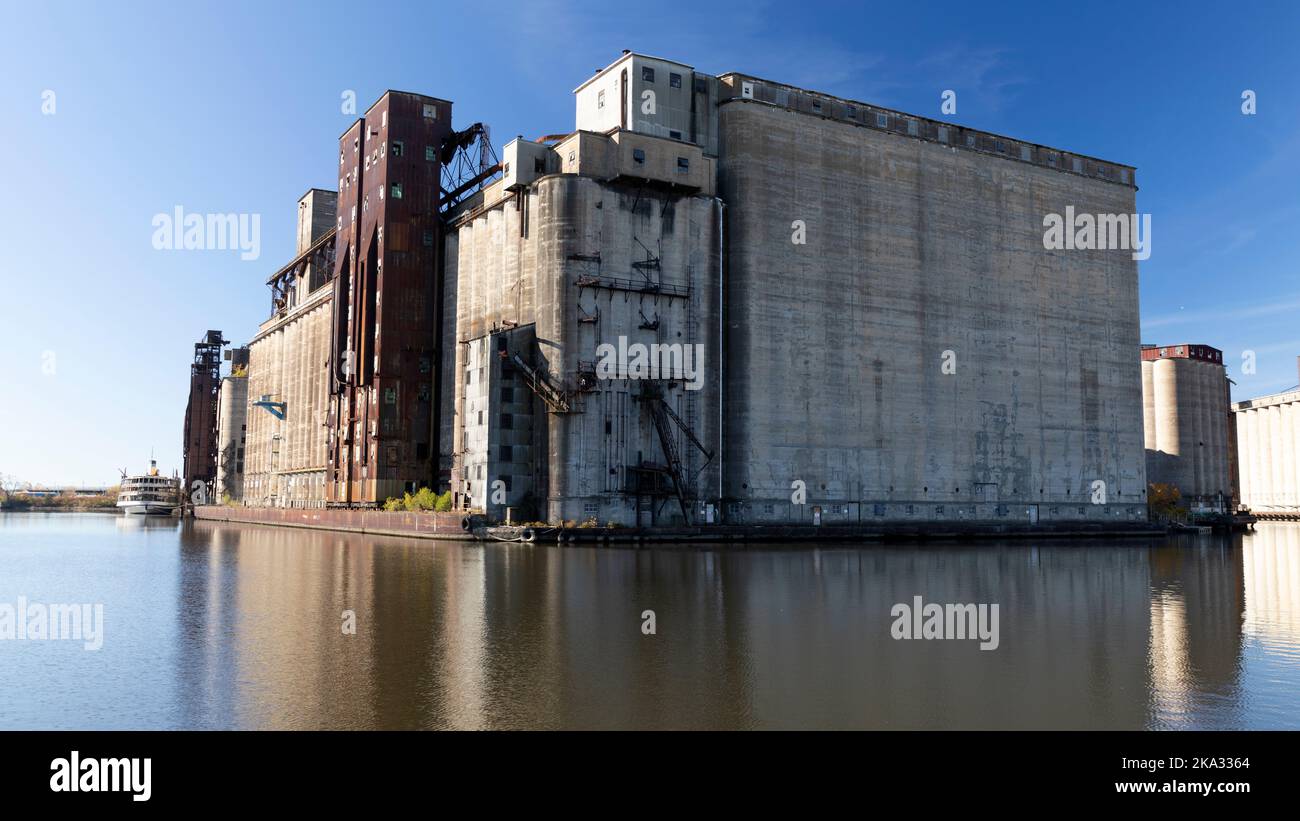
[[400, 167], [200, 445]]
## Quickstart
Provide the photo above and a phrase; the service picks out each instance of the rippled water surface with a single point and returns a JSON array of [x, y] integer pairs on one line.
[[227, 626]]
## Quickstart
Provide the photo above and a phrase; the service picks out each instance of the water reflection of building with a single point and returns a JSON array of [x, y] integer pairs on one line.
[[514, 636], [1197, 598], [1271, 556]]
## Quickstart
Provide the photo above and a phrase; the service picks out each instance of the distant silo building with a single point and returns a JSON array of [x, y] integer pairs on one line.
[[1268, 450], [1188, 424]]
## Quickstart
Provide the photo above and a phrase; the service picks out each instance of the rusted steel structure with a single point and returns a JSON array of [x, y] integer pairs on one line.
[[382, 438], [200, 451]]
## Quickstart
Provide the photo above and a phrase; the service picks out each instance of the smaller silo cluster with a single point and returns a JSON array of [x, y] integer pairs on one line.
[[1186, 408]]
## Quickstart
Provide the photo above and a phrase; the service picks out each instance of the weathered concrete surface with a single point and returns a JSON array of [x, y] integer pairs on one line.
[[232, 420], [512, 267], [285, 459], [913, 249]]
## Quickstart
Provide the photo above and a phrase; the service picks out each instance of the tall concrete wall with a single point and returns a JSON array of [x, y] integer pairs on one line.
[[515, 267], [1268, 441], [285, 458], [919, 253]]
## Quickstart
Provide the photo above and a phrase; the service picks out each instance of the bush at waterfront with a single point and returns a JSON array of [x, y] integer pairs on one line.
[[424, 499]]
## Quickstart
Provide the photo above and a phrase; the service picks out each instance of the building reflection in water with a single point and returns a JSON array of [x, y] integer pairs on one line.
[[462, 635]]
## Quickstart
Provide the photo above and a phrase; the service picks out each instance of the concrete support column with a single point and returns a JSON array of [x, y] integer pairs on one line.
[[1168, 441], [1243, 454], [1149, 404], [1285, 494], [1272, 457], [1293, 417], [1256, 461]]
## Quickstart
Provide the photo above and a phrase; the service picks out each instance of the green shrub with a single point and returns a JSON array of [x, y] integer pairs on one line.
[[425, 499], [392, 504], [443, 503]]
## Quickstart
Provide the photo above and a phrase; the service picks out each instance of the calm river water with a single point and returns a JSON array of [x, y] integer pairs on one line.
[[209, 625]]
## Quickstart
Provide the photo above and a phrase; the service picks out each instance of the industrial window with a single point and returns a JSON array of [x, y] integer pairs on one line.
[[591, 508], [970, 140], [430, 111], [675, 80], [943, 134], [647, 74], [676, 135], [383, 121], [1026, 153], [913, 128], [539, 165], [1077, 164], [683, 165], [1051, 158], [507, 421], [397, 148], [429, 154], [428, 239], [817, 107], [507, 394], [882, 120], [397, 191], [505, 169], [600, 99], [505, 453], [1001, 146], [700, 85], [1123, 175], [638, 156], [852, 113]]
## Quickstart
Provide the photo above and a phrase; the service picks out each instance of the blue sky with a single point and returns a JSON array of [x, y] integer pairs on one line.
[[235, 107]]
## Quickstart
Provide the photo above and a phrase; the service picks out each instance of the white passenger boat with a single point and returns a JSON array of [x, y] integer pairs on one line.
[[149, 493]]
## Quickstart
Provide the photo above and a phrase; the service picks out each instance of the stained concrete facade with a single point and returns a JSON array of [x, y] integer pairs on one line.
[[920, 249], [1187, 424], [1268, 443], [621, 245]]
